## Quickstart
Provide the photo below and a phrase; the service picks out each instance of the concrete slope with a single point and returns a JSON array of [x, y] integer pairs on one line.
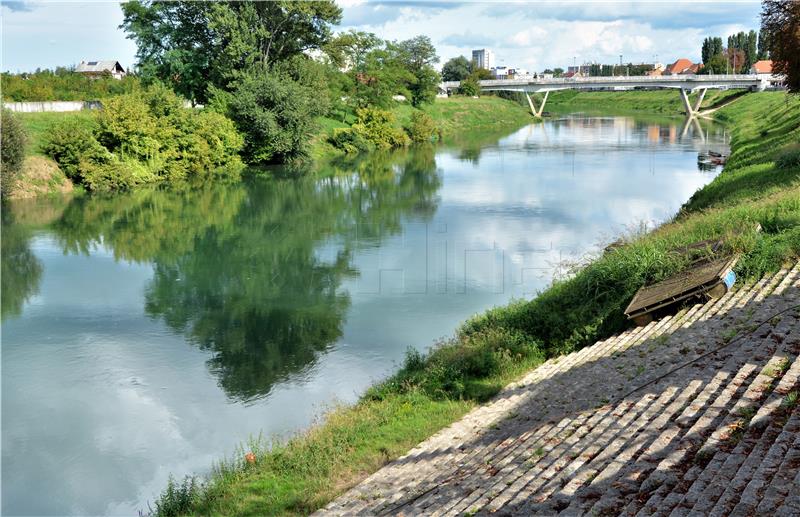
[[694, 414]]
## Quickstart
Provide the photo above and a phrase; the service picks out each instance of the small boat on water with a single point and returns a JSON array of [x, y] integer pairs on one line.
[[711, 158]]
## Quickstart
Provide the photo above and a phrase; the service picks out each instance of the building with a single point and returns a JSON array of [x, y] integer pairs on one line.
[[483, 58], [682, 67], [99, 68], [763, 68], [507, 72]]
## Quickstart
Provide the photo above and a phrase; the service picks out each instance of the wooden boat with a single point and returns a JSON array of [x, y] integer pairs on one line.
[[708, 278]]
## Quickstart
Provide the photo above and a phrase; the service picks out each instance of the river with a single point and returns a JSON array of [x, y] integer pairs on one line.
[[149, 333]]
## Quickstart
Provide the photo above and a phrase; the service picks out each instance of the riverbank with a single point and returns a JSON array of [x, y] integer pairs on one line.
[[665, 102], [453, 116], [759, 185]]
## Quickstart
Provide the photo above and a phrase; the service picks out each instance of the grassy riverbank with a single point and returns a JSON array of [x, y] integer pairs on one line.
[[760, 185], [453, 116], [667, 102]]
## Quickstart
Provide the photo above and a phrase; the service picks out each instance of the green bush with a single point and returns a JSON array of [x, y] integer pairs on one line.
[[14, 143], [375, 127], [422, 128], [469, 87], [276, 114], [69, 143], [145, 138], [789, 157], [350, 141]]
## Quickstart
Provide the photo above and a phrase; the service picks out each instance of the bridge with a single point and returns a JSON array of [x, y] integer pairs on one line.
[[685, 84]]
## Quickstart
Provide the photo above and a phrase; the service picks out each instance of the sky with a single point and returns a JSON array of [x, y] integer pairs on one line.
[[529, 34]]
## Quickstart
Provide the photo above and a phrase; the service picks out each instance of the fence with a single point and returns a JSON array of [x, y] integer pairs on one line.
[[38, 107]]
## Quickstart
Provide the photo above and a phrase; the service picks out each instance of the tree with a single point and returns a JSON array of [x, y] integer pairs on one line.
[[717, 47], [558, 72], [192, 45], [419, 55], [350, 49], [706, 51], [763, 45], [736, 59], [456, 69], [470, 86], [276, 113], [751, 50], [780, 22], [383, 75], [715, 65]]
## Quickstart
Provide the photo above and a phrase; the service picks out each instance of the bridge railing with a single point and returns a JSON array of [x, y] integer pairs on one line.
[[726, 78]]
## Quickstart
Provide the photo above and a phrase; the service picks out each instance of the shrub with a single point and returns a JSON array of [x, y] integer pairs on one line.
[[373, 126], [469, 87], [69, 143], [789, 157], [14, 143], [276, 114], [146, 138], [349, 141], [422, 128]]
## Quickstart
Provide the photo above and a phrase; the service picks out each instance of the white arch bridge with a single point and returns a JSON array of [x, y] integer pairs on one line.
[[685, 84]]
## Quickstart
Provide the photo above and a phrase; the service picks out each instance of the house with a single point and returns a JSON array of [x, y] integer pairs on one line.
[[682, 66], [694, 69], [99, 68], [763, 68]]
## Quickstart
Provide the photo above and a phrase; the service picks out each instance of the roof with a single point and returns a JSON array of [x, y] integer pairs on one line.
[[99, 66], [763, 67], [695, 68], [679, 66]]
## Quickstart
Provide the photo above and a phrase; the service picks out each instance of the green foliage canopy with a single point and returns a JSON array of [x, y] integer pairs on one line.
[[191, 45], [456, 69]]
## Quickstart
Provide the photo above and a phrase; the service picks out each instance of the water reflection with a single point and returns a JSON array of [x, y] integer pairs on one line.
[[235, 268], [21, 270], [170, 325]]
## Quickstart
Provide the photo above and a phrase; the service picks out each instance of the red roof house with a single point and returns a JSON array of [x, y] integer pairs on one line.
[[678, 67], [762, 67]]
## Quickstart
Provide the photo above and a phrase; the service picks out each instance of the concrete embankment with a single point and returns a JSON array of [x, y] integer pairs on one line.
[[694, 413]]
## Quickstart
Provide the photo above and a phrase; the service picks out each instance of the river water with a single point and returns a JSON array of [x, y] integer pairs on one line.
[[150, 333]]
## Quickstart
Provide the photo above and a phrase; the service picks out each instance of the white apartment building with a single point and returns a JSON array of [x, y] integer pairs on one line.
[[483, 58]]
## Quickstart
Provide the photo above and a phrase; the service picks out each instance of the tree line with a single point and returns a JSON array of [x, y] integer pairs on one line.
[[62, 84], [742, 51]]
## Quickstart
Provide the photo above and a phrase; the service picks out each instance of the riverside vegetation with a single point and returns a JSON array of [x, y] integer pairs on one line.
[[759, 185], [249, 64]]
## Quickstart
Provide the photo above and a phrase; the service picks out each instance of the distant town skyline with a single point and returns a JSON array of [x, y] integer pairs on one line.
[[531, 35]]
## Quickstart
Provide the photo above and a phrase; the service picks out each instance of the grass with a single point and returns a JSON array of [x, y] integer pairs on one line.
[[432, 390], [38, 125], [454, 116]]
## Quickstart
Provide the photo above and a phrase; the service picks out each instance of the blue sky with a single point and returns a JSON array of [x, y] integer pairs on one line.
[[532, 35]]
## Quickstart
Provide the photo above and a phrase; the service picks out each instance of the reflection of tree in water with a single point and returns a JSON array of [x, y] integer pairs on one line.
[[251, 272], [21, 270]]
